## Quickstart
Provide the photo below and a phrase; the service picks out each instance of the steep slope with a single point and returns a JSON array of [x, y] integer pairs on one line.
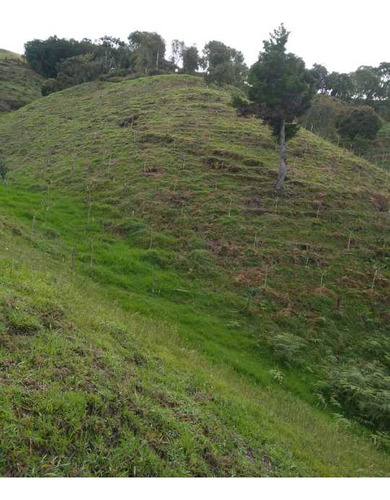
[[160, 194], [89, 390], [19, 85]]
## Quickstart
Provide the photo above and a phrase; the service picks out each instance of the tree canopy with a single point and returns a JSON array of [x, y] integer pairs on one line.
[[223, 64], [148, 50]]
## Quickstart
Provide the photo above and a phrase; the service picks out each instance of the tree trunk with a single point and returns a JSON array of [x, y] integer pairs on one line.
[[157, 58], [283, 157]]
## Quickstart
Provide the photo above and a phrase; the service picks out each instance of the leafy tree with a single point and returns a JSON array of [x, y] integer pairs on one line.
[[361, 122], [320, 74], [340, 85], [280, 90], [148, 50], [323, 115], [367, 83], [43, 56], [190, 60], [223, 64], [384, 72], [115, 53], [79, 69]]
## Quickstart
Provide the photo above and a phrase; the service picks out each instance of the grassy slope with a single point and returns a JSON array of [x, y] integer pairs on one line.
[[176, 217], [19, 85]]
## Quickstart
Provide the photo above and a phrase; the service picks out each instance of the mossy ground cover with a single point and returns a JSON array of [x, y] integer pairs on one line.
[[19, 85], [156, 191]]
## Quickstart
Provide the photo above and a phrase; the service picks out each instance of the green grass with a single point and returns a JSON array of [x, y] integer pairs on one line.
[[172, 223], [19, 85]]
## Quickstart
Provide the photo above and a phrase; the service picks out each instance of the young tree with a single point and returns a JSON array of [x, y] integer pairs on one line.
[[280, 90], [190, 60], [367, 83]]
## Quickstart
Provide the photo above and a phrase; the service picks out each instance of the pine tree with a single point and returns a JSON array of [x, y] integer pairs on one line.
[[280, 90]]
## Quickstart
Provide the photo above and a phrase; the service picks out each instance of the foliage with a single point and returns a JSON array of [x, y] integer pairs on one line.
[[320, 75], [340, 85], [363, 390], [359, 122], [323, 116], [190, 60], [79, 69], [280, 84], [43, 56], [223, 64], [286, 347], [115, 54], [367, 83], [148, 50]]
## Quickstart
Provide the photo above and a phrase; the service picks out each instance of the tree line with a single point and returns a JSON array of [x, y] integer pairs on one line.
[[70, 62]]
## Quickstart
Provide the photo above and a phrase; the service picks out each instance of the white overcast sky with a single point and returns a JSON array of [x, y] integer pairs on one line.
[[341, 34]]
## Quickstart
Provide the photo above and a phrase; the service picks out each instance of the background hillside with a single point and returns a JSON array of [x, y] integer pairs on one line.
[[157, 197], [19, 85]]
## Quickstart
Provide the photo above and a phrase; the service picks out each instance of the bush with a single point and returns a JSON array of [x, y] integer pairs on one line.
[[49, 86], [363, 391], [286, 347], [361, 122]]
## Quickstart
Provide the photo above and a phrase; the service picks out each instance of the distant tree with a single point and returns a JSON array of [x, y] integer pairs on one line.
[[367, 83], [190, 60], [177, 49], [361, 122], [115, 53], [384, 72], [340, 85], [323, 115], [80, 69], [43, 56], [320, 75], [223, 64], [148, 50], [280, 90]]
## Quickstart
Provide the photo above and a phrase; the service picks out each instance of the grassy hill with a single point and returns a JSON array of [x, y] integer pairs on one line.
[[19, 85], [164, 313]]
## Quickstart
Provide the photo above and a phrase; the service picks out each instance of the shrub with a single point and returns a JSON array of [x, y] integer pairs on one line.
[[363, 391], [361, 122], [286, 347]]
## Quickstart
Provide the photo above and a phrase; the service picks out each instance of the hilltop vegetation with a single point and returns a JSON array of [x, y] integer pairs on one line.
[[349, 110], [19, 85], [158, 197]]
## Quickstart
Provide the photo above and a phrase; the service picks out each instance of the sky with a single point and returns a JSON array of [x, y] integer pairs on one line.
[[341, 34]]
